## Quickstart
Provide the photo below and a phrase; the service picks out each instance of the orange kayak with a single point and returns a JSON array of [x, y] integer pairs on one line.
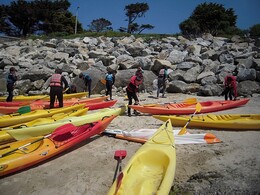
[[186, 108], [92, 105], [73, 101], [46, 103], [15, 109], [23, 154]]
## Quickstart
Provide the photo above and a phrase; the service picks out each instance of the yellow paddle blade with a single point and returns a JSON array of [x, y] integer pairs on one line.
[[198, 109], [190, 101], [183, 131]]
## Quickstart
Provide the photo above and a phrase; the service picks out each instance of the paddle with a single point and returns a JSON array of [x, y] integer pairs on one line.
[[119, 156], [186, 101], [183, 130], [57, 132]]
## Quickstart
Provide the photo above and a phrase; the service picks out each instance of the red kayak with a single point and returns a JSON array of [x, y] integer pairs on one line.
[[100, 105], [14, 158], [187, 108]]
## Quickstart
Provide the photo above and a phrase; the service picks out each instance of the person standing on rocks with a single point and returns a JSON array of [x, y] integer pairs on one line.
[[56, 85], [131, 90], [110, 80], [87, 80], [230, 87], [10, 82], [162, 81]]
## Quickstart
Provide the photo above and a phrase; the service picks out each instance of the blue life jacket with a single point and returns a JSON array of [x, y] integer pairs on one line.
[[109, 77], [86, 77], [10, 79]]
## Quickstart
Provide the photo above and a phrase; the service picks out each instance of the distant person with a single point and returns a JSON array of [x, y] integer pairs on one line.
[[131, 90], [87, 81], [56, 85], [110, 80], [230, 87], [10, 82], [162, 81], [72, 89]]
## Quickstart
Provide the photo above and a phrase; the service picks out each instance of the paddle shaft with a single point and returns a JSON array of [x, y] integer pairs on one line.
[[19, 148], [119, 155], [117, 166], [183, 130]]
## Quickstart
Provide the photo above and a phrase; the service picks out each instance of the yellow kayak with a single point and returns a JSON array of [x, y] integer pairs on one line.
[[6, 137], [152, 168], [43, 97], [13, 119], [44, 129], [221, 121]]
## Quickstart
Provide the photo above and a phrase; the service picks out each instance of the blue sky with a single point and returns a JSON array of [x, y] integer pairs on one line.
[[165, 15]]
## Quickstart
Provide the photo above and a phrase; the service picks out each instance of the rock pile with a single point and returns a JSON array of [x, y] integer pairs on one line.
[[198, 66]]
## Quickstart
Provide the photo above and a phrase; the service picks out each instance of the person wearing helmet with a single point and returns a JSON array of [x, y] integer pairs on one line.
[[87, 80], [56, 87], [10, 81], [131, 90]]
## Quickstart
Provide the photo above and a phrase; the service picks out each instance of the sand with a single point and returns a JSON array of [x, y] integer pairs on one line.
[[229, 167]]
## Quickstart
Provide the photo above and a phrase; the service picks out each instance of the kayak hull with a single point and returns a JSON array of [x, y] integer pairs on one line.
[[151, 170], [221, 121], [7, 138], [92, 105], [44, 97], [185, 108], [66, 137], [46, 103], [12, 119], [44, 129]]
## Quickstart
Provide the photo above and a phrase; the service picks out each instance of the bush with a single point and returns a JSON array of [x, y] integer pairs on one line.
[[255, 31]]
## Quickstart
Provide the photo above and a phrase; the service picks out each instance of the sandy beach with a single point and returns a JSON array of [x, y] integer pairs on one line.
[[229, 167]]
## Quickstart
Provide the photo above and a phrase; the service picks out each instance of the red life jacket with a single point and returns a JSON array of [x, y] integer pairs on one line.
[[134, 83], [55, 80]]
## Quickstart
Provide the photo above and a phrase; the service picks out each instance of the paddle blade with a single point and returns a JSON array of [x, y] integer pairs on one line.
[[120, 154], [190, 101], [24, 109], [183, 131], [198, 107]]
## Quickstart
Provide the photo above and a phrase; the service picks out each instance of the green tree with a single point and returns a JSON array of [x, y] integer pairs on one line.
[[254, 31], [28, 17], [100, 25], [18, 18], [134, 11], [189, 27], [210, 18]]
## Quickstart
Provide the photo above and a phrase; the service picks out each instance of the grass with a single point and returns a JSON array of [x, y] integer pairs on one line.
[[62, 35]]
